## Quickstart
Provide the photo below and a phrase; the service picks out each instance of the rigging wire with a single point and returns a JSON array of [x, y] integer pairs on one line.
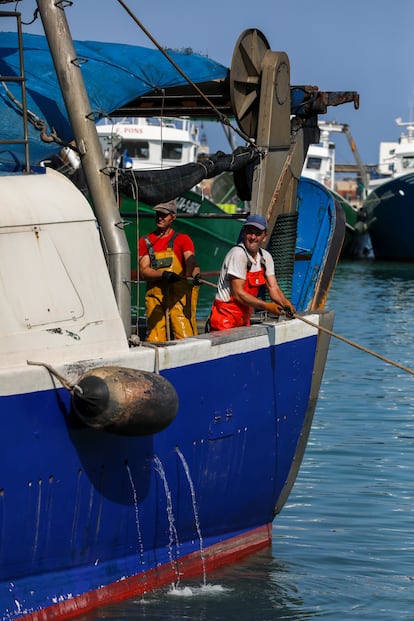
[[221, 117]]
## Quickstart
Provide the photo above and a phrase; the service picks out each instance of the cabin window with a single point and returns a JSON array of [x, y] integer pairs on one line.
[[138, 149], [172, 151], [39, 289], [314, 163], [408, 161]]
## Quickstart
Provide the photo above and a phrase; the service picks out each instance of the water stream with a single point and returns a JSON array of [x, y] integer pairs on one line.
[[137, 521], [173, 535], [195, 510]]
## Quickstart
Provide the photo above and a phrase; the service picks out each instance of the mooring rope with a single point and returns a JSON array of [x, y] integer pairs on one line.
[[65, 383]]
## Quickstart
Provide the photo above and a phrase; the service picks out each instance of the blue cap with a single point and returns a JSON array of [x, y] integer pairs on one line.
[[258, 221]]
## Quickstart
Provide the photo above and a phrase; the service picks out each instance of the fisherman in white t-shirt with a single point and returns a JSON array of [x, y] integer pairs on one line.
[[247, 267]]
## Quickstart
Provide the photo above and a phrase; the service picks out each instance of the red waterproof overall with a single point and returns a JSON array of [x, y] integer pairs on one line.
[[232, 314]]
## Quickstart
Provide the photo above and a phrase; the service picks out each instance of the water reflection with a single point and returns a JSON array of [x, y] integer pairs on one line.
[[374, 272], [259, 587]]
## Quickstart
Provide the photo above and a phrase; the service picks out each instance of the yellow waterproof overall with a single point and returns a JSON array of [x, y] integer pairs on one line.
[[171, 307]]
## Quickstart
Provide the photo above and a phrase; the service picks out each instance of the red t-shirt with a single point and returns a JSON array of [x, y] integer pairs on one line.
[[182, 243]]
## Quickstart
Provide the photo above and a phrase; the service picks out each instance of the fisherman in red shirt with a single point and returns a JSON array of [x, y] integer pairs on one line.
[[247, 267], [166, 260]]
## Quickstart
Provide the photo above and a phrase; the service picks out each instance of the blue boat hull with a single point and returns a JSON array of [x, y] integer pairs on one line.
[[89, 517], [81, 510]]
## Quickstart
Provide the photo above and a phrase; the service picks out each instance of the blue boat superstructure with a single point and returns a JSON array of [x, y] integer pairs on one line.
[[93, 515]]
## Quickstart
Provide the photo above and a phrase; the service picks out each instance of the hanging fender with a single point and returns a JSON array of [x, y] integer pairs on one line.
[[125, 401]]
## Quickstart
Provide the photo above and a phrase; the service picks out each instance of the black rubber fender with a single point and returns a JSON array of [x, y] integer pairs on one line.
[[125, 401]]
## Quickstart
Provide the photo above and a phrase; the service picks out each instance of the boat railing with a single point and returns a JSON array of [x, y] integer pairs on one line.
[[18, 79], [179, 123]]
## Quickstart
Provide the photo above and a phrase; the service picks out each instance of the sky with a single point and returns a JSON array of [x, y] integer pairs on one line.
[[338, 45]]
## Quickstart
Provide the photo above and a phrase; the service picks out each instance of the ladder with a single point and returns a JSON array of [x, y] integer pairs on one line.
[[19, 79]]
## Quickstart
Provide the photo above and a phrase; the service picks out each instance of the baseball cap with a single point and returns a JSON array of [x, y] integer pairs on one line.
[[169, 207], [256, 220]]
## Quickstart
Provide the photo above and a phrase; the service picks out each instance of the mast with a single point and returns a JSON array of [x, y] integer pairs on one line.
[[68, 71]]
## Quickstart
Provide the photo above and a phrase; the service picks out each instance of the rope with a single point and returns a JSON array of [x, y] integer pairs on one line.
[[70, 387], [353, 344]]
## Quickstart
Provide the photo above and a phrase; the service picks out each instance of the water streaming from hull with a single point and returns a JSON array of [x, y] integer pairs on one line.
[[195, 510], [137, 521], [173, 535]]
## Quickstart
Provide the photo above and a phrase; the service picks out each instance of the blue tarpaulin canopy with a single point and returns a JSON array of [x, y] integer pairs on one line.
[[114, 74]]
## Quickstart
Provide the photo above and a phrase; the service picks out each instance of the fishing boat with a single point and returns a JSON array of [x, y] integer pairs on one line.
[[128, 465], [149, 143], [395, 158], [389, 213], [389, 205], [320, 165]]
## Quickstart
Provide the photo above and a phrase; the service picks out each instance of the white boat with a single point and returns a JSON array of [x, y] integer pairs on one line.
[[320, 160], [395, 158], [149, 143], [320, 163]]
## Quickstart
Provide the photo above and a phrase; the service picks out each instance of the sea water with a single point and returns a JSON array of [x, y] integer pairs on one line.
[[343, 545]]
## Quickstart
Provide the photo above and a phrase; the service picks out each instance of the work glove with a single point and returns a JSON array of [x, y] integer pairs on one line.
[[289, 310], [197, 280], [170, 277], [273, 308]]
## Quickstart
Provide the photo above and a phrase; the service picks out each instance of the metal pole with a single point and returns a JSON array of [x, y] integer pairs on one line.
[[69, 74]]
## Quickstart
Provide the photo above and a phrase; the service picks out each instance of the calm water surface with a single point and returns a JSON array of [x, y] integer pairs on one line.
[[343, 546]]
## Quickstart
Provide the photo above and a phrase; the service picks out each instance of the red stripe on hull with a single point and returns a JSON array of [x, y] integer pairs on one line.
[[226, 552]]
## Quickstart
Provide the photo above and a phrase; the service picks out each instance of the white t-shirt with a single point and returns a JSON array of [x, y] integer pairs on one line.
[[235, 264]]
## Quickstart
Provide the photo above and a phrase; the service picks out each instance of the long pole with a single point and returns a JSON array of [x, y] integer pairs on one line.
[[354, 344], [336, 335], [69, 74]]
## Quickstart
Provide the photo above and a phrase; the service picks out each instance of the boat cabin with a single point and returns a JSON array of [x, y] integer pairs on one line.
[[149, 143]]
